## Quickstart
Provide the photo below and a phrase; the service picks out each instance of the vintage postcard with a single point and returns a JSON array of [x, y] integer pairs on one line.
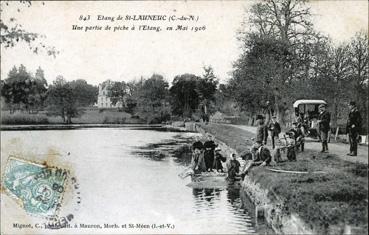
[[184, 117]]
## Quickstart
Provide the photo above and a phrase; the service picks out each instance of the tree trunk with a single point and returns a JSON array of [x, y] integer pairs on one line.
[[335, 111], [62, 115], [69, 119]]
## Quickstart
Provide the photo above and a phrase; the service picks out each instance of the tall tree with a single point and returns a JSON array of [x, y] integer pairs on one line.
[[22, 91], [38, 90], [85, 94], [206, 88], [184, 97], [359, 68], [61, 100], [118, 92], [275, 55], [152, 99]]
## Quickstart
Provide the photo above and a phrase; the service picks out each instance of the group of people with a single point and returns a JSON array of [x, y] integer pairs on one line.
[[352, 127], [207, 156], [300, 129]]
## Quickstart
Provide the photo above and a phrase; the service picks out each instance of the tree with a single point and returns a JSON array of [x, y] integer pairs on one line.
[[11, 32], [359, 69], [118, 92], [152, 99], [285, 20], [184, 98], [61, 100], [206, 88], [261, 76], [38, 91], [276, 55], [23, 91], [84, 93]]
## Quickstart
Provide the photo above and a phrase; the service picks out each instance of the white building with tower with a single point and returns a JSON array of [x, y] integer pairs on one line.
[[103, 100]]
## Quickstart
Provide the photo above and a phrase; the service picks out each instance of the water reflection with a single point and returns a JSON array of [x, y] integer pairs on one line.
[[222, 206], [134, 188]]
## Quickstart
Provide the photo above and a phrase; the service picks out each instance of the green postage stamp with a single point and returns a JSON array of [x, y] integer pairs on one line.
[[38, 188]]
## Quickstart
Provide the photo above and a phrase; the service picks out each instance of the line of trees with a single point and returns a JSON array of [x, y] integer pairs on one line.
[[284, 59], [151, 99], [23, 91], [190, 96]]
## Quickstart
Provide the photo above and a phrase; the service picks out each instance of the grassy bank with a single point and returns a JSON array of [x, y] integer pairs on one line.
[[327, 201], [87, 117]]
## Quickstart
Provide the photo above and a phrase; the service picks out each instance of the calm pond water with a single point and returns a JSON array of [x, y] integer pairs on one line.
[[116, 185]]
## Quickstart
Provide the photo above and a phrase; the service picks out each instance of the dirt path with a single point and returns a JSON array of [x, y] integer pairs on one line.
[[339, 149]]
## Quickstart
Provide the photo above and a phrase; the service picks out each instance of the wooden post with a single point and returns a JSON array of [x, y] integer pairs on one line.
[[336, 135]]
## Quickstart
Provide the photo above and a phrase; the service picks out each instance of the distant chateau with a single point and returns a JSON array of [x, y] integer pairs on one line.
[[103, 101]]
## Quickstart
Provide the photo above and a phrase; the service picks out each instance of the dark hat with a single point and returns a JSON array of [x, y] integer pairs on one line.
[[197, 145], [352, 103], [259, 117]]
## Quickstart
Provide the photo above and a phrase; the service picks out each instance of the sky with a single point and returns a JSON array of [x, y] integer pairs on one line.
[[125, 55]]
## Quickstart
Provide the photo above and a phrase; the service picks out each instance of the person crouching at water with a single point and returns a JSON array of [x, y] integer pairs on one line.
[[209, 147], [197, 162], [233, 167], [218, 160]]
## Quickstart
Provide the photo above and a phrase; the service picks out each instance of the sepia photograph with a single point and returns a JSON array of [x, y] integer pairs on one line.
[[184, 117]]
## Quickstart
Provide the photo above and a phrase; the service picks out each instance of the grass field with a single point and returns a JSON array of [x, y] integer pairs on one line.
[[335, 198]]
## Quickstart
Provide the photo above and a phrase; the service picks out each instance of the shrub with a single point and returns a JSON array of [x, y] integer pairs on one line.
[[23, 119]]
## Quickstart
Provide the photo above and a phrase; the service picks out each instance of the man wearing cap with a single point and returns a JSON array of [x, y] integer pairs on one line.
[[274, 129], [323, 121], [353, 128]]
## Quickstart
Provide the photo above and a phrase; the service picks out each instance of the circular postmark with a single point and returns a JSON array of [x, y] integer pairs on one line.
[[41, 190]]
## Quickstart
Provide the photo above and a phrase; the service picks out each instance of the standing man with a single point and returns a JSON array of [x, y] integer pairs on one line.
[[274, 129], [323, 121], [209, 147], [353, 128], [261, 135]]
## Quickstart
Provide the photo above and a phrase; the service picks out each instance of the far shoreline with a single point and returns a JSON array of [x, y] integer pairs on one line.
[[83, 126]]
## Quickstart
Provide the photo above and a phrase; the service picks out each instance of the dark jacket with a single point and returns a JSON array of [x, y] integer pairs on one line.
[[275, 128], [233, 168], [296, 133], [261, 134], [264, 155], [218, 161], [325, 119], [354, 119]]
